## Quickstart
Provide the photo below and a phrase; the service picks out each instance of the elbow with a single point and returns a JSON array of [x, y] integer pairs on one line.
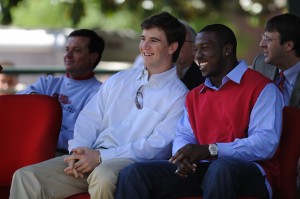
[[269, 150]]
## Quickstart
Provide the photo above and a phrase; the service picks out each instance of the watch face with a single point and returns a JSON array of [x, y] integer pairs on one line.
[[213, 149]]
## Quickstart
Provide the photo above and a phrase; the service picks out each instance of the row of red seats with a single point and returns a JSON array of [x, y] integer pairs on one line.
[[30, 125]]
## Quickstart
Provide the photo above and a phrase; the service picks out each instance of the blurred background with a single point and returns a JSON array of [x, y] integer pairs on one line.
[[33, 32]]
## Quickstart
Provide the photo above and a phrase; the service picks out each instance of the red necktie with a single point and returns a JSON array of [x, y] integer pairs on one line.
[[281, 80]]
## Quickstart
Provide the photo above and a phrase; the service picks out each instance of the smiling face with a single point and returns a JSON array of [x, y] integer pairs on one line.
[[78, 60], [155, 50], [208, 54], [273, 50]]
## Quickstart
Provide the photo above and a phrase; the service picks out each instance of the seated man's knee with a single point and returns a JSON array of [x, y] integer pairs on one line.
[[131, 169], [222, 165], [22, 172], [135, 171], [103, 176]]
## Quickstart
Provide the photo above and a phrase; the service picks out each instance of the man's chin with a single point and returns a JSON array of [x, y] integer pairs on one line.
[[204, 74]]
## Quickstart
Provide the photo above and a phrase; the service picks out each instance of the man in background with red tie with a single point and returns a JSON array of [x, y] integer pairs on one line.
[[281, 45]]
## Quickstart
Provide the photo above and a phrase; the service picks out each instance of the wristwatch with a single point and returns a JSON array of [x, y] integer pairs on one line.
[[213, 150]]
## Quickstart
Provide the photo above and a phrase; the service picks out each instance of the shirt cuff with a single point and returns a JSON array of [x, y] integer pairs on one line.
[[224, 150]]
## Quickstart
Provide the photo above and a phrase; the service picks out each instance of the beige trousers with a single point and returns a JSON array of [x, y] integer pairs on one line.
[[48, 180]]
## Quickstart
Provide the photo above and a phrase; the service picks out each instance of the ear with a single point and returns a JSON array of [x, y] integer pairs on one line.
[[289, 45], [227, 50], [94, 56], [173, 47]]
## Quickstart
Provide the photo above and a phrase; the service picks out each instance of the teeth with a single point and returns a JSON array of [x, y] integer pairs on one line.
[[148, 54], [203, 64]]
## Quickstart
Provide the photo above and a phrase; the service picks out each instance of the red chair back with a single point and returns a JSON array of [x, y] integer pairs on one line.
[[289, 153], [30, 125]]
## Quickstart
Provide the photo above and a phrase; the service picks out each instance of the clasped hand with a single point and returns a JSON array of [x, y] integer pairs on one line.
[[82, 160], [187, 158]]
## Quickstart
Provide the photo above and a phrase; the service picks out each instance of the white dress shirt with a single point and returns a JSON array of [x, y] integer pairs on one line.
[[112, 122]]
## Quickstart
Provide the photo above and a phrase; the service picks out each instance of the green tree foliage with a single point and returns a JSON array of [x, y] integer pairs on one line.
[[128, 14], [73, 12], [5, 10], [45, 14]]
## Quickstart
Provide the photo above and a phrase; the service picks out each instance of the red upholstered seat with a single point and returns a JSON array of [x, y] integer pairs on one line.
[[289, 153], [80, 196], [244, 197], [29, 126], [87, 196], [288, 158]]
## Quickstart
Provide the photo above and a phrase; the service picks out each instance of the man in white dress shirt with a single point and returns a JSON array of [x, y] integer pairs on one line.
[[132, 118]]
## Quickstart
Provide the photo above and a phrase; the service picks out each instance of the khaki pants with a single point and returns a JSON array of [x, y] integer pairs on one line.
[[48, 180]]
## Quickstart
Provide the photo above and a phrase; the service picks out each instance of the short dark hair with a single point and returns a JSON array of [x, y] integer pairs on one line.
[[288, 26], [96, 44], [172, 27], [223, 34]]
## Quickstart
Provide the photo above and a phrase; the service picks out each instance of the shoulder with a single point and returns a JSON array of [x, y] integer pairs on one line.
[[177, 85], [196, 90], [124, 75], [255, 75], [259, 61], [91, 82], [49, 79], [261, 66]]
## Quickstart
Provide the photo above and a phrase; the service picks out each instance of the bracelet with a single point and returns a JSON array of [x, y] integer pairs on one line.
[[99, 158]]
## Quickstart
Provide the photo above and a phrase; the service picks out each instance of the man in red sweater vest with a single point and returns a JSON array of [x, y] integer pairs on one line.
[[226, 140]]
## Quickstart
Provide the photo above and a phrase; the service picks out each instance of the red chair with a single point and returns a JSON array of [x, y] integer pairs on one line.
[[289, 153], [85, 195], [30, 125], [288, 158]]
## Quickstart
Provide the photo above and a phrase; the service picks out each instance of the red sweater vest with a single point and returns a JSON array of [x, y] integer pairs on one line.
[[223, 115]]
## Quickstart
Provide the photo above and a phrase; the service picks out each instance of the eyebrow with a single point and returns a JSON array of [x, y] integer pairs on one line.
[[156, 38], [202, 43]]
